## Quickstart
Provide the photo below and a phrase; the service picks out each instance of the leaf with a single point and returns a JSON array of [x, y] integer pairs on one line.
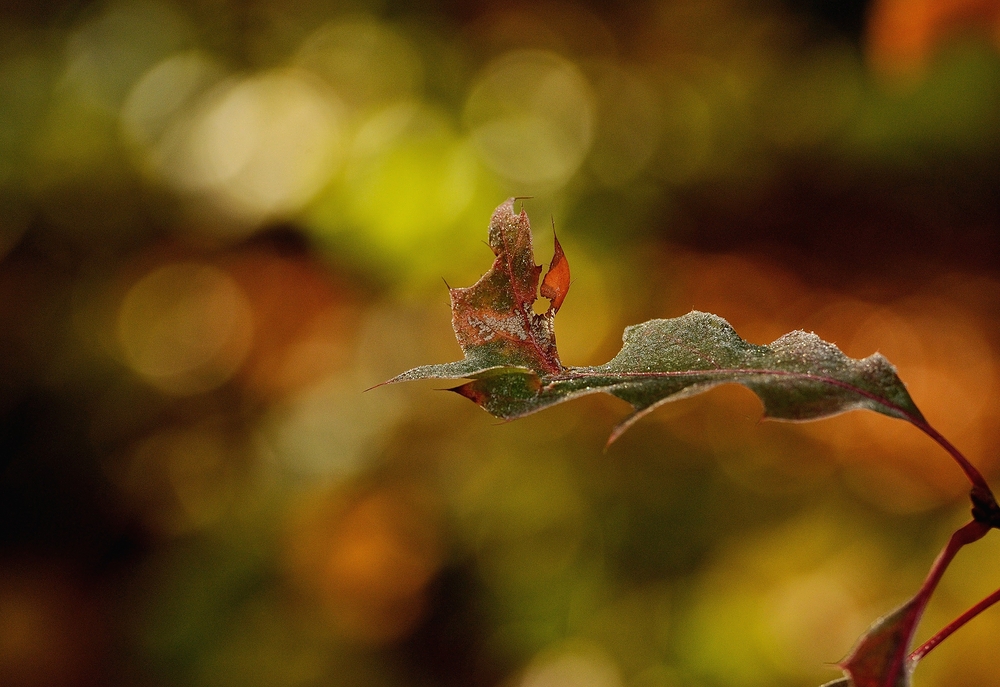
[[555, 286], [493, 319], [880, 658], [511, 357]]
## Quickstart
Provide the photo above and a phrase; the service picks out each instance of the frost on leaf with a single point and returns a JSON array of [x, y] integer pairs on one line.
[[514, 368], [493, 319]]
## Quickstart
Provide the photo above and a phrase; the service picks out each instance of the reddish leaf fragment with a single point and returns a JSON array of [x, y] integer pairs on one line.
[[555, 286], [880, 657], [493, 319]]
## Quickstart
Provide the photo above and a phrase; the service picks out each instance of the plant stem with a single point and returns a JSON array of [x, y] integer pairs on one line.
[[968, 468], [869, 656], [946, 631], [984, 503], [968, 533]]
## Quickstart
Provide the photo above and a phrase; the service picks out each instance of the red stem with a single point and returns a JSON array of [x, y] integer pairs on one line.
[[966, 534], [948, 629], [976, 477]]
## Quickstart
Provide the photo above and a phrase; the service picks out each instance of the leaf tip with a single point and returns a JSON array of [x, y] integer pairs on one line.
[[398, 378], [621, 428], [470, 391]]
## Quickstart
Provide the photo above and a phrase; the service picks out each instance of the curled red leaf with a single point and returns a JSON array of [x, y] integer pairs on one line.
[[555, 286]]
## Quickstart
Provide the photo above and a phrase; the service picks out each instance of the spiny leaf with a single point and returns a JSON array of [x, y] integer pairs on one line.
[[511, 357], [493, 319], [514, 368]]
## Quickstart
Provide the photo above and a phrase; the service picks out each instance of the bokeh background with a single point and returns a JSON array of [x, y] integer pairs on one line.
[[221, 221]]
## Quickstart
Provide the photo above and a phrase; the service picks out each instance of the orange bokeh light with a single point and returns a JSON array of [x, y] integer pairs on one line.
[[304, 320], [903, 34], [368, 561]]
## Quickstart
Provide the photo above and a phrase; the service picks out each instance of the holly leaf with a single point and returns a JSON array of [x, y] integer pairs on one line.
[[514, 367], [494, 320]]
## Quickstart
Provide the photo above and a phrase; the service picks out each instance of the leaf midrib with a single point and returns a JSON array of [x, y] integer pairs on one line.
[[724, 372]]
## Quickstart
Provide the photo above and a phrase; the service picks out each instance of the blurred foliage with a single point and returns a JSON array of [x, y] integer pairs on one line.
[[221, 221]]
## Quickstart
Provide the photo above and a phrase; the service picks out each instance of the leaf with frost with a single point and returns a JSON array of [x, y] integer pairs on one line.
[[514, 367], [493, 319]]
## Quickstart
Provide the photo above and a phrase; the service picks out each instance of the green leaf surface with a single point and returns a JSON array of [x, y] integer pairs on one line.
[[514, 368]]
